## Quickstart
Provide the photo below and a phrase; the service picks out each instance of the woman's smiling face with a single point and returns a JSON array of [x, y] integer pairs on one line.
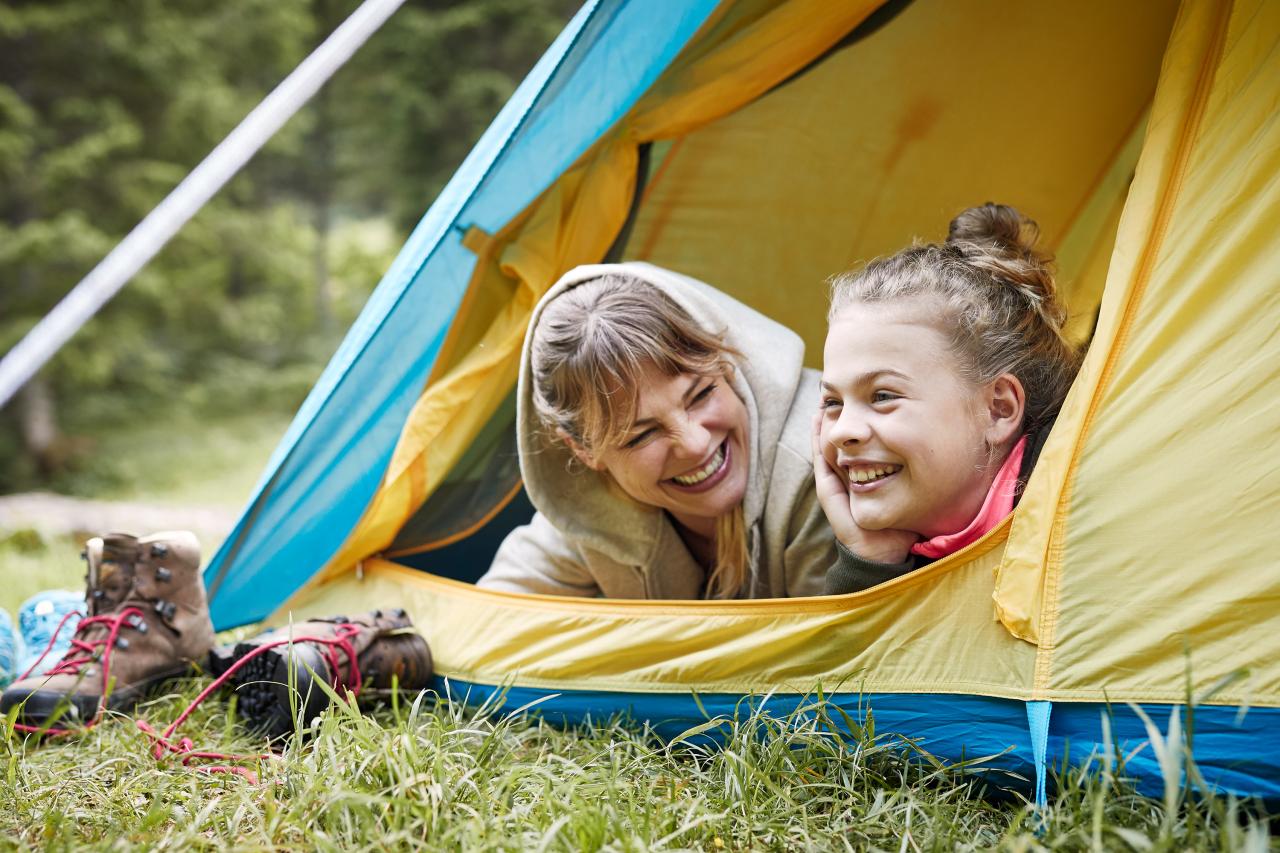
[[687, 450], [901, 425]]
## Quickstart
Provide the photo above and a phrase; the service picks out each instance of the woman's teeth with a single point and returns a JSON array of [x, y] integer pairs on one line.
[[704, 472], [868, 475]]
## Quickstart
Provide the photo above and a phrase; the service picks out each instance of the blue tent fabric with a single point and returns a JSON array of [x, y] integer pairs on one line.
[[330, 462], [995, 736], [1038, 716]]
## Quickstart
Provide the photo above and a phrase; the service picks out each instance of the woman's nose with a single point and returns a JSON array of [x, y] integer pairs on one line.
[[693, 439]]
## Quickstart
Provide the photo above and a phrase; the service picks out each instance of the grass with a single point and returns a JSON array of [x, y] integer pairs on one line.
[[438, 776], [29, 565]]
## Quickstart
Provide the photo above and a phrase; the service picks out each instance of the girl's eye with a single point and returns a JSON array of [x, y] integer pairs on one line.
[[883, 397], [830, 403], [639, 439], [704, 393]]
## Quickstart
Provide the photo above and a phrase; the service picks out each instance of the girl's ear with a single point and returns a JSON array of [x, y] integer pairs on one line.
[[1006, 403], [579, 451]]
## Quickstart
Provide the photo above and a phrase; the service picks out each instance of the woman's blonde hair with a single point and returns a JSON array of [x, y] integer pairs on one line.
[[997, 299], [590, 351]]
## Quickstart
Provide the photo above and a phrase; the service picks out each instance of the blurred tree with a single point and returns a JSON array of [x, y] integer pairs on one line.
[[426, 87], [106, 104]]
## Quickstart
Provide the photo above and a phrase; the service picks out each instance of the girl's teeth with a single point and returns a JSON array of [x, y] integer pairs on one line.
[[867, 475], [706, 471]]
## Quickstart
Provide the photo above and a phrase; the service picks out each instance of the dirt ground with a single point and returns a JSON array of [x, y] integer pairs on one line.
[[58, 515]]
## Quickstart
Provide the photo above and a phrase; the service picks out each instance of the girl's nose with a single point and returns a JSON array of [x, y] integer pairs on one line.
[[850, 428]]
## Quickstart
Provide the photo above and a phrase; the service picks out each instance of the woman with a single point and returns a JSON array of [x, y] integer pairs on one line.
[[664, 440]]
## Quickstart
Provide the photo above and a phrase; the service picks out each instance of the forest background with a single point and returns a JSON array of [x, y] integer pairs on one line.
[[105, 105]]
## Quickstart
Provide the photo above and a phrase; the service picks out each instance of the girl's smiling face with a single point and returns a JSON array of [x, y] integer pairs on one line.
[[687, 450], [917, 443]]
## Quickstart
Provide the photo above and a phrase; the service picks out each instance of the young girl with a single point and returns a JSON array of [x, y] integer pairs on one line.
[[943, 371]]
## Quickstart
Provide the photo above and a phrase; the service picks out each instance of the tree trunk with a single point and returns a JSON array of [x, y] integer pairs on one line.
[[322, 185], [38, 424]]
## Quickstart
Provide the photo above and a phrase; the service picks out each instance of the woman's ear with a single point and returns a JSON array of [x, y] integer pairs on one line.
[[1006, 403], [579, 451]]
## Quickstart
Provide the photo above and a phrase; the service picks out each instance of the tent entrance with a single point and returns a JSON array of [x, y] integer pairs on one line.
[[456, 533], [879, 141]]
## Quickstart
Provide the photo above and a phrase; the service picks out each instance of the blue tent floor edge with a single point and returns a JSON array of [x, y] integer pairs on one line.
[[1235, 750]]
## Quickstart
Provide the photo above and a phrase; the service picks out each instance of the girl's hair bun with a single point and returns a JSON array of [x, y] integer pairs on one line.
[[999, 240], [993, 226]]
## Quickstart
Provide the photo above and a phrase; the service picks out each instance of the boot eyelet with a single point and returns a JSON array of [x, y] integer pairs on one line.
[[163, 574], [159, 549]]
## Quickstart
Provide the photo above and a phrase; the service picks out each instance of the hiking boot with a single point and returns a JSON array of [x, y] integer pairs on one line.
[[283, 667], [148, 621]]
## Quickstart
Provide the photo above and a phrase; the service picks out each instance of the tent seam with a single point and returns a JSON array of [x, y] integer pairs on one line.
[[632, 608]]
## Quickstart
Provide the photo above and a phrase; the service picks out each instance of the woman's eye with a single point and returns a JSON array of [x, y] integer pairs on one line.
[[704, 393], [830, 403], [883, 397], [639, 439]]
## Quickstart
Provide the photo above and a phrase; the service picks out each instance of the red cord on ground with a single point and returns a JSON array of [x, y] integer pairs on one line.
[[162, 742]]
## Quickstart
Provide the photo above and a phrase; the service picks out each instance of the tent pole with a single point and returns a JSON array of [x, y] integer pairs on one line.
[[151, 234]]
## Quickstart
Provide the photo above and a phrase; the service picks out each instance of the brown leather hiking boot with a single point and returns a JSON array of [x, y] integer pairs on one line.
[[364, 654], [148, 621]]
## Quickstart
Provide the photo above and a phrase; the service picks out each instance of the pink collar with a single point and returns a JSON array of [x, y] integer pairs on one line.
[[998, 504]]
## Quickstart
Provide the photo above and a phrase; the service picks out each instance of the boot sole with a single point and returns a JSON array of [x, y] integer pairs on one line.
[[39, 706], [277, 686]]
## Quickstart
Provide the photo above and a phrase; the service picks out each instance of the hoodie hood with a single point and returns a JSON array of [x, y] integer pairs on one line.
[[584, 504]]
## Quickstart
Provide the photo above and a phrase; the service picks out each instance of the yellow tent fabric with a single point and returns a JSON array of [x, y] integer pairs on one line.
[[890, 639], [1162, 483], [1137, 536], [948, 105]]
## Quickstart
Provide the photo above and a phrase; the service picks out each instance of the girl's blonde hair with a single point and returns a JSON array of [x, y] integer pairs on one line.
[[590, 350], [997, 298]]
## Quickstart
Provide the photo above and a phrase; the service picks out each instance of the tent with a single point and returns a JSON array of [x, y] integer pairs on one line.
[[763, 146]]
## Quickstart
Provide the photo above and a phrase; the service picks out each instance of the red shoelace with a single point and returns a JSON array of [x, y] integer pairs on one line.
[[82, 653]]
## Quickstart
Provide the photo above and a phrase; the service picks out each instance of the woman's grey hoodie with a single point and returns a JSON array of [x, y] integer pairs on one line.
[[590, 539]]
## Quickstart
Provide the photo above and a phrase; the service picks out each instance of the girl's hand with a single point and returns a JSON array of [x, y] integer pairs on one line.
[[880, 546]]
